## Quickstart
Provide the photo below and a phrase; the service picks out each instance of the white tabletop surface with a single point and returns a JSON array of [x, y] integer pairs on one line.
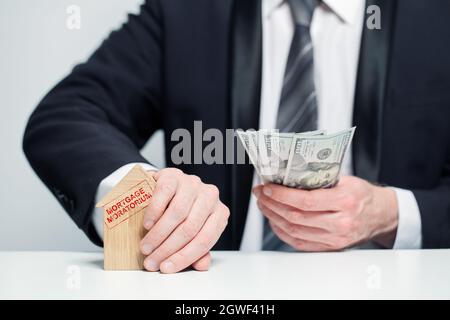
[[360, 274]]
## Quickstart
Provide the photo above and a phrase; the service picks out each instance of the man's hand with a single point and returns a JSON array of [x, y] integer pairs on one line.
[[352, 213], [185, 219]]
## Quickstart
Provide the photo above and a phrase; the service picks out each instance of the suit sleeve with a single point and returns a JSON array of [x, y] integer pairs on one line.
[[434, 207], [97, 119]]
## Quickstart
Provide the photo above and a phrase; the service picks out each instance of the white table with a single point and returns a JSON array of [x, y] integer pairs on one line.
[[347, 275]]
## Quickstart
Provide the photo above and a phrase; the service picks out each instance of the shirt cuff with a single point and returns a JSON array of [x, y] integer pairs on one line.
[[105, 187], [409, 230]]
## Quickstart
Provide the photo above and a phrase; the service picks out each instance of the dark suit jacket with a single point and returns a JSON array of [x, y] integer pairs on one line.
[[185, 60]]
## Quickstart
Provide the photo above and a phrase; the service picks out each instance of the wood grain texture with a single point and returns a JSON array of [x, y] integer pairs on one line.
[[124, 209]]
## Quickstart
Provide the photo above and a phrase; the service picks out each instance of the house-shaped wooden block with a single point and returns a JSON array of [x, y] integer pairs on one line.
[[123, 213]]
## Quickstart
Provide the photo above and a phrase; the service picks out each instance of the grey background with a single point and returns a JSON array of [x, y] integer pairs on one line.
[[36, 51]]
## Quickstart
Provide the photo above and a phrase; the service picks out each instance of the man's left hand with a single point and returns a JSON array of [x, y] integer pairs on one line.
[[349, 214]]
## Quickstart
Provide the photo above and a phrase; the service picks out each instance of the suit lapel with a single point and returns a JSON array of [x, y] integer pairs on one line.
[[370, 92], [246, 62]]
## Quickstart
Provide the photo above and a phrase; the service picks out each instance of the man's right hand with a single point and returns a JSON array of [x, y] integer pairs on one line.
[[184, 221]]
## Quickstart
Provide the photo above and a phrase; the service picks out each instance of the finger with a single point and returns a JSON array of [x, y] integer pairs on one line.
[[166, 187], [296, 231], [257, 190], [203, 264], [319, 219], [299, 244], [200, 245], [203, 206], [175, 214], [315, 200]]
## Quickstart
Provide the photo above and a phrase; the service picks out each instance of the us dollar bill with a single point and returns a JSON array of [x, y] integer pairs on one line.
[[315, 160], [307, 160], [278, 147], [272, 152], [263, 160], [249, 147]]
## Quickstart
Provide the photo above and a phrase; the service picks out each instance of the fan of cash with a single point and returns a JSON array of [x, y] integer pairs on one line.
[[309, 160]]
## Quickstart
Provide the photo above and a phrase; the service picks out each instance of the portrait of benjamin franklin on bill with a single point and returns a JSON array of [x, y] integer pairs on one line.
[[314, 175]]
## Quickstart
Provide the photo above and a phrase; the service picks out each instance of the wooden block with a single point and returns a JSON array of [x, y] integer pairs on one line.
[[123, 214]]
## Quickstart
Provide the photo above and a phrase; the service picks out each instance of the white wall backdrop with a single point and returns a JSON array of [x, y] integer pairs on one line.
[[36, 50]]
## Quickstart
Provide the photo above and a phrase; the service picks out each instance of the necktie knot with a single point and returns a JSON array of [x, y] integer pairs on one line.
[[302, 11]]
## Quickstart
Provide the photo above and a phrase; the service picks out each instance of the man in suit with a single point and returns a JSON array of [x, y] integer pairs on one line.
[[294, 65]]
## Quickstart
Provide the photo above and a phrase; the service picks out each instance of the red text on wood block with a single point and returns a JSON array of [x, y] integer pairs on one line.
[[131, 202]]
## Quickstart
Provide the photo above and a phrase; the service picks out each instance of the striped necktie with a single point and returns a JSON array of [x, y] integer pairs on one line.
[[298, 103]]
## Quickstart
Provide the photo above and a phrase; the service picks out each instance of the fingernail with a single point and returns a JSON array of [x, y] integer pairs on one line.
[[151, 265], [167, 267], [258, 204], [148, 224], [147, 249], [267, 191], [257, 192]]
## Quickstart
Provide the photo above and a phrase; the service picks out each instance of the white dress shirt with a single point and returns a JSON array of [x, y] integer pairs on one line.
[[336, 31]]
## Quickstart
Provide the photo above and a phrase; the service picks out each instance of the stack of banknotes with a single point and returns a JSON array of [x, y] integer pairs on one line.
[[309, 160]]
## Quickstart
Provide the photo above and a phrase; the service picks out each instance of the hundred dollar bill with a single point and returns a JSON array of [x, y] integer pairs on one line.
[[315, 161], [262, 161], [249, 139], [278, 147], [249, 147]]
